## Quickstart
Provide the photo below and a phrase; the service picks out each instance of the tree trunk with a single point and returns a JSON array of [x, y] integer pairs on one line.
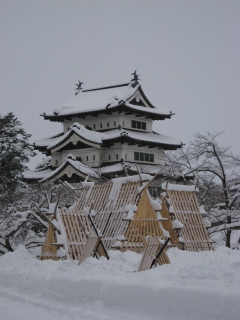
[[8, 245], [228, 234]]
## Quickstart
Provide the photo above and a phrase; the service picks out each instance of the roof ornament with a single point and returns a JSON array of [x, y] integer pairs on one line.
[[135, 78], [124, 133], [79, 87]]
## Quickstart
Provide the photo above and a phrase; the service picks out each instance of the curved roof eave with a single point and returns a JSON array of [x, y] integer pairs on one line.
[[124, 107], [165, 146], [64, 166], [69, 135]]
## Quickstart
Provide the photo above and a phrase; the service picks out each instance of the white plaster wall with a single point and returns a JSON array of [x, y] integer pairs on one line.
[[83, 154], [58, 157], [108, 122], [129, 150], [124, 151]]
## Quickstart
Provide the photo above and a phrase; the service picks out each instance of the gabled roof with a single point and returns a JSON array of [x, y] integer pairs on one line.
[[97, 139], [69, 167], [124, 96]]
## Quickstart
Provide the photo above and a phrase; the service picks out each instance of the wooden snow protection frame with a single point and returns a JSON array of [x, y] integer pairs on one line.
[[88, 249], [186, 210], [107, 203], [81, 233], [145, 223], [150, 255], [49, 249], [50, 246], [167, 225]]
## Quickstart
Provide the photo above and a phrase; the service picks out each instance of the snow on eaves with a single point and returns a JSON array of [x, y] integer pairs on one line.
[[78, 165], [87, 100], [100, 99], [178, 187], [136, 178], [118, 167], [81, 131], [40, 174], [100, 137], [47, 141], [143, 136]]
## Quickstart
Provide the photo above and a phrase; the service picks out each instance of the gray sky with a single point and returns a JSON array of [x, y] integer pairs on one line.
[[186, 52]]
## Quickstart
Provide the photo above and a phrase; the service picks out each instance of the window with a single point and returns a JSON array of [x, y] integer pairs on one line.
[[100, 125], [109, 157], [94, 126], [141, 156], [134, 124], [101, 156], [136, 156], [56, 162], [123, 123], [108, 124], [125, 156], [87, 158], [94, 157], [117, 156], [139, 125], [114, 123], [68, 129]]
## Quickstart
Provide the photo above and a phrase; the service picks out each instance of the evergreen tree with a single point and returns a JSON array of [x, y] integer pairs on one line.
[[15, 151]]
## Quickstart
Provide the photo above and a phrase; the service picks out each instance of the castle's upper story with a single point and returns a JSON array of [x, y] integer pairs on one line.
[[128, 98]]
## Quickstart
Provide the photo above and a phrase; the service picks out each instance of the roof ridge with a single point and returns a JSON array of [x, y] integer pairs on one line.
[[107, 87]]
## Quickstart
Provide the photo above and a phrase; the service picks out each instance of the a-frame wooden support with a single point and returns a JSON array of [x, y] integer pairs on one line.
[[144, 224], [186, 210], [49, 250], [167, 225]]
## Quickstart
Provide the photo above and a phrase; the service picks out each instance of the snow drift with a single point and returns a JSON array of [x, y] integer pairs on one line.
[[196, 285]]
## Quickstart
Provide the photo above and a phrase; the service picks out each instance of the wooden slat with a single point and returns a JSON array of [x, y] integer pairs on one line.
[[167, 225]]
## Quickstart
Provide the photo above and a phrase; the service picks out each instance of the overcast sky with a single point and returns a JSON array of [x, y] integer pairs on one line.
[[186, 52]]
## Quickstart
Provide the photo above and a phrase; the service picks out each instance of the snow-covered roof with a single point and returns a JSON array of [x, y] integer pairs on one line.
[[178, 187], [47, 141], [79, 167], [103, 98], [119, 167], [103, 137], [142, 136], [36, 175]]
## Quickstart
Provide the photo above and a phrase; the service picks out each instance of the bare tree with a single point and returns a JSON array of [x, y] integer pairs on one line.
[[216, 170], [19, 223]]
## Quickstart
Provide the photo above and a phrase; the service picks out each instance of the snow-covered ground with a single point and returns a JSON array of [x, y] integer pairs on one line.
[[196, 285]]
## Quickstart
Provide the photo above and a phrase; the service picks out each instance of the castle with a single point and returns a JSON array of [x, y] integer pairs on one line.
[[106, 132]]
